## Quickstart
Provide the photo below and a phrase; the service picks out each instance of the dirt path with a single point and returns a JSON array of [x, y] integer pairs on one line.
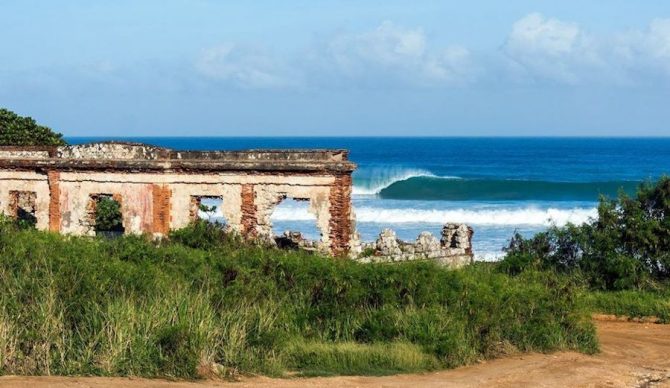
[[633, 355]]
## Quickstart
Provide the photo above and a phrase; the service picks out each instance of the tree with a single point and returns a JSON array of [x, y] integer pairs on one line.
[[16, 130]]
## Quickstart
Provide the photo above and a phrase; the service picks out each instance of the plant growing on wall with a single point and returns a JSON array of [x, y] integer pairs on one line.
[[108, 215], [16, 130], [208, 210]]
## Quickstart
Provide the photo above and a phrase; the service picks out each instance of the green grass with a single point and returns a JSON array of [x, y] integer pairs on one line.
[[631, 304], [315, 358], [200, 304]]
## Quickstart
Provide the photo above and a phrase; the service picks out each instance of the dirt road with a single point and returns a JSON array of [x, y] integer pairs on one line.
[[633, 355]]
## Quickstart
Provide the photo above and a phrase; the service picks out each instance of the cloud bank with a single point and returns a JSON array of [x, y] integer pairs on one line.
[[537, 49]]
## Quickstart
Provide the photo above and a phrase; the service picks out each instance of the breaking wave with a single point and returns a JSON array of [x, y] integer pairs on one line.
[[437, 188], [379, 179]]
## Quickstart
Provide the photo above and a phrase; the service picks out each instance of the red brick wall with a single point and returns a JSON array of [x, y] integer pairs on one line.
[[248, 211], [53, 178], [161, 209], [340, 215]]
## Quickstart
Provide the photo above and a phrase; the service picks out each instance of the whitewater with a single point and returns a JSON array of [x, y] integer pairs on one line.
[[494, 222], [378, 179]]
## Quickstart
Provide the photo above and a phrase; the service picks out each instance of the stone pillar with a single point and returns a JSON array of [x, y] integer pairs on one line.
[[249, 220], [161, 200], [53, 178], [340, 215]]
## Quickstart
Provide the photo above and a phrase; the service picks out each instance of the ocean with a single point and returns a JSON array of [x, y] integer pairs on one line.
[[496, 185]]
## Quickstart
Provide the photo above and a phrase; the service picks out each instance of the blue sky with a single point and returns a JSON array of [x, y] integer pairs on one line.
[[221, 68]]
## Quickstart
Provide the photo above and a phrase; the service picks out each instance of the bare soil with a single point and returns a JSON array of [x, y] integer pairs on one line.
[[633, 354]]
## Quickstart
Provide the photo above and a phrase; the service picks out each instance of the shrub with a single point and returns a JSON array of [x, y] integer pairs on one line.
[[625, 247], [108, 217], [203, 234]]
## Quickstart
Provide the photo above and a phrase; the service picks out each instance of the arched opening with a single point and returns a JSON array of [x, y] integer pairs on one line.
[[22, 207], [105, 212], [208, 208], [293, 225]]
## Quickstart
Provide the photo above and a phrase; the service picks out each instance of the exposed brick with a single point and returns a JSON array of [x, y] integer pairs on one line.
[[340, 215], [53, 178], [161, 196], [248, 211]]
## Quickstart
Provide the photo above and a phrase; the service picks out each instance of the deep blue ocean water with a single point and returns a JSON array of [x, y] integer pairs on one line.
[[497, 185]]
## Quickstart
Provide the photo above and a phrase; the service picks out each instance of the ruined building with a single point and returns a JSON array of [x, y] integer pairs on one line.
[[159, 189]]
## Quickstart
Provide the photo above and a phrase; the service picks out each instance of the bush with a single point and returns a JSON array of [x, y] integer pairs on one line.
[[132, 306], [108, 217], [626, 247], [203, 234]]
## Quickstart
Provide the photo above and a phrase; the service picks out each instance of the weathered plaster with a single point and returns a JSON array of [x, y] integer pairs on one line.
[[156, 187], [26, 181]]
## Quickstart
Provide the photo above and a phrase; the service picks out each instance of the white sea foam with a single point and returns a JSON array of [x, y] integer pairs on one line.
[[384, 177], [494, 217], [505, 216], [292, 213]]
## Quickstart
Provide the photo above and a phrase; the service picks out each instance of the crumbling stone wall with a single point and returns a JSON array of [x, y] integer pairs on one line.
[[156, 186], [454, 249], [315, 190]]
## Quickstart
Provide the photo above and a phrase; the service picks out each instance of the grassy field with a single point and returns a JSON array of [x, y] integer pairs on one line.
[[204, 304]]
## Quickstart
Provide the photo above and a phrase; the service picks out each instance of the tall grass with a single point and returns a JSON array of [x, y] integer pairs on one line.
[[632, 304], [203, 304]]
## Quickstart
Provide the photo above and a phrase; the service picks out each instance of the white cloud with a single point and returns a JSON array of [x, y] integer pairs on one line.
[[647, 50], [550, 49], [659, 40], [241, 66], [546, 36], [553, 49], [390, 54]]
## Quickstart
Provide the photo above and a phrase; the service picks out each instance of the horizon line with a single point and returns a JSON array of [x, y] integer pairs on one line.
[[377, 136]]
